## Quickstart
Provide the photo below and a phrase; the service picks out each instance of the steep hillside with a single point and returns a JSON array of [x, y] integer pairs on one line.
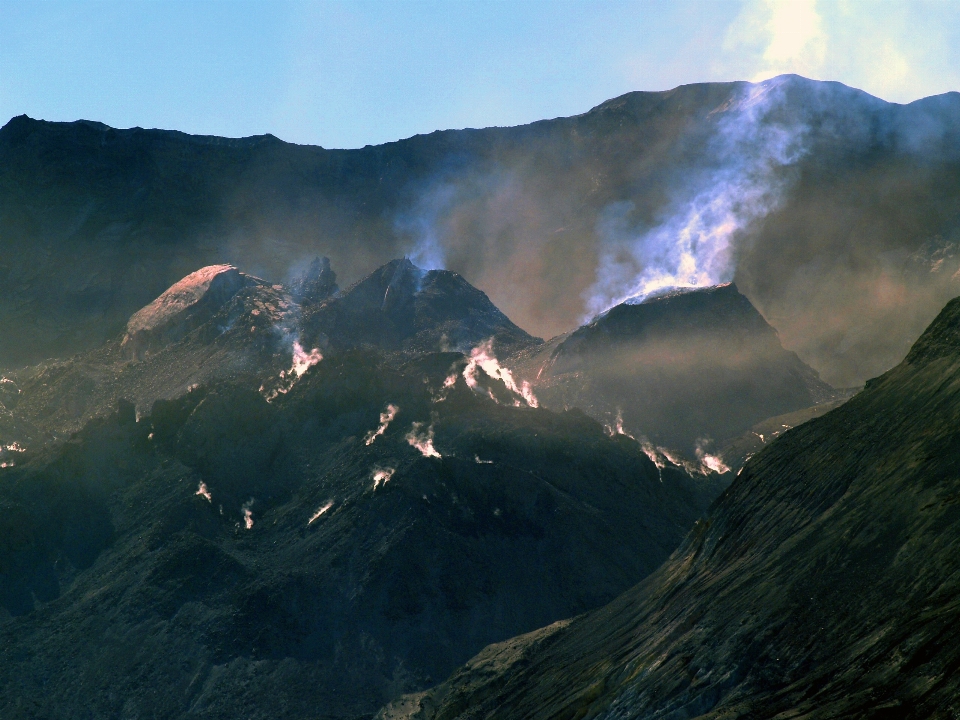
[[861, 225], [824, 583]]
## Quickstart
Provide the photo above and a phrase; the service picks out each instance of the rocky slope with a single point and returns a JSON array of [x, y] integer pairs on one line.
[[96, 222], [688, 369], [356, 537], [824, 583]]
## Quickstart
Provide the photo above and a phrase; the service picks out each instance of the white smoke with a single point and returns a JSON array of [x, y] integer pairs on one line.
[[693, 246], [203, 492], [661, 456], [302, 361], [421, 224], [422, 440], [652, 453], [381, 476], [617, 427], [320, 511], [247, 514], [709, 462], [386, 417], [482, 462], [714, 463], [448, 383], [483, 357]]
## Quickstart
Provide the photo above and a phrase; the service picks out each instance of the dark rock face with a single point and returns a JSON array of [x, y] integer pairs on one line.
[[402, 307], [679, 368], [247, 335], [284, 529], [318, 282], [229, 556], [822, 584]]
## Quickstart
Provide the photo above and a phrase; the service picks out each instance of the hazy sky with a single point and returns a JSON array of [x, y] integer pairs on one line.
[[349, 73]]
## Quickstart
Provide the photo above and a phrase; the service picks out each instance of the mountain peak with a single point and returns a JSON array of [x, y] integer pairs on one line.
[[316, 283], [400, 306], [182, 307], [681, 366], [941, 338]]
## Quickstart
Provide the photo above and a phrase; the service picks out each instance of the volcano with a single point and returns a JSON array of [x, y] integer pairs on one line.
[[401, 307], [96, 222], [682, 368], [284, 527], [220, 323]]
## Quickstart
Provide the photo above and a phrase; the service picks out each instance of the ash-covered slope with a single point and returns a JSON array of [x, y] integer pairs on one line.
[[401, 307], [314, 556], [824, 583], [96, 222], [680, 368]]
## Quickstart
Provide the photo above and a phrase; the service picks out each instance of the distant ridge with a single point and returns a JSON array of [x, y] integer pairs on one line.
[[95, 222]]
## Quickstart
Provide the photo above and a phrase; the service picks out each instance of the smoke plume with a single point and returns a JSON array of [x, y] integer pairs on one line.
[[422, 440], [421, 225], [320, 511], [386, 417], [301, 362], [482, 357], [381, 476], [247, 514], [694, 244], [203, 492]]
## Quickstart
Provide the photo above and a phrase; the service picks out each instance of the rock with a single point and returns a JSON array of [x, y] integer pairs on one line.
[[822, 584], [678, 368], [183, 307], [9, 393], [318, 283]]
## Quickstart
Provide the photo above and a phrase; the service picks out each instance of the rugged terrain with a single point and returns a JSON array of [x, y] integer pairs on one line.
[[227, 555], [96, 222], [824, 583], [211, 519], [219, 323]]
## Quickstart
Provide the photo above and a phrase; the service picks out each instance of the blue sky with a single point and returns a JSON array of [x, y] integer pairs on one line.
[[350, 73]]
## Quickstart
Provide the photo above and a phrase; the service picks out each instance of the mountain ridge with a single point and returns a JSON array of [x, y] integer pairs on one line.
[[520, 211]]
